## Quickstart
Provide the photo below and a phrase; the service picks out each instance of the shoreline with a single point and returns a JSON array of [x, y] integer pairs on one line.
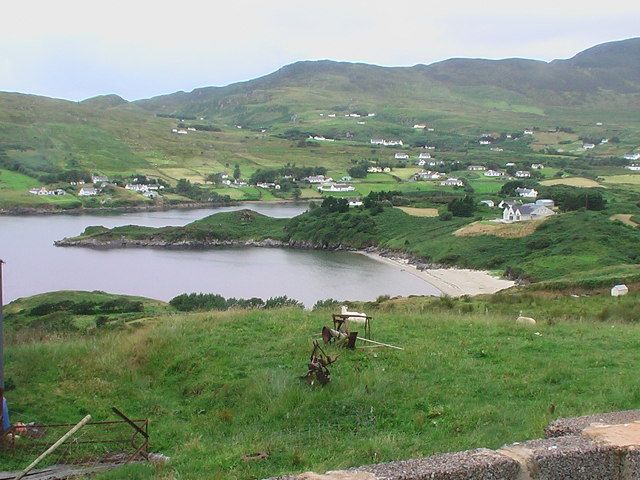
[[453, 282], [36, 211]]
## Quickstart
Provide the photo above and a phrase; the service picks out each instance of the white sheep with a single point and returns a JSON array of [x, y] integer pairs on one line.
[[525, 320], [355, 317]]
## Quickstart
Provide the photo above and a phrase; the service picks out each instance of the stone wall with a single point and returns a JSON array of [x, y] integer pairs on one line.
[[595, 447]]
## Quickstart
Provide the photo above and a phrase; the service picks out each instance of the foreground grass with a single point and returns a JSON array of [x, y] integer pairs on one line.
[[220, 385]]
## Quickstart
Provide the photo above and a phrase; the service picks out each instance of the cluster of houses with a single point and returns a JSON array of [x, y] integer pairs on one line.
[[148, 190]]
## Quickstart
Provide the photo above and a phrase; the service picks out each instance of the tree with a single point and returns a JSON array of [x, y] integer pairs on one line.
[[462, 207], [236, 172]]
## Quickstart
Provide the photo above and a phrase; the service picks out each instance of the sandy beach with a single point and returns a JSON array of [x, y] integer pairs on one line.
[[454, 282]]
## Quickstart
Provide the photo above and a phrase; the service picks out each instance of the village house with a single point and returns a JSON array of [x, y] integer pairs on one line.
[[377, 141], [452, 182], [346, 179], [320, 138], [332, 115], [151, 194], [632, 156], [336, 187], [421, 163], [528, 132], [509, 164], [401, 156], [523, 174], [386, 169], [419, 126], [39, 191], [485, 142], [266, 185], [604, 141], [362, 123], [191, 129], [355, 203], [424, 156], [137, 187], [476, 168], [537, 166], [493, 173], [429, 147], [634, 167], [318, 179], [373, 169], [527, 192], [588, 146], [179, 131], [497, 149], [392, 143], [528, 211], [99, 179], [371, 115], [428, 175], [509, 203], [88, 192]]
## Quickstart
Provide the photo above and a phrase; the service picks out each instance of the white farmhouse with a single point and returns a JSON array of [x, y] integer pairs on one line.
[[493, 173], [527, 192], [588, 146], [419, 126], [476, 168], [318, 179], [634, 167], [87, 192], [452, 182], [537, 166], [336, 187], [523, 174], [401, 156], [424, 156], [528, 211], [632, 156], [377, 141]]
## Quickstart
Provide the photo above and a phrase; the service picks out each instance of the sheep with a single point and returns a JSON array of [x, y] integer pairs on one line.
[[525, 320], [355, 317]]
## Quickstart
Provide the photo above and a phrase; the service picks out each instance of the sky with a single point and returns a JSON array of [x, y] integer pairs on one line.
[[75, 49]]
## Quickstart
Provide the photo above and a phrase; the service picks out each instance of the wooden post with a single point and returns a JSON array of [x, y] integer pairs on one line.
[[54, 447]]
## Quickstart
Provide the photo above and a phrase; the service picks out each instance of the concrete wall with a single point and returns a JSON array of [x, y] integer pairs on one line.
[[595, 447]]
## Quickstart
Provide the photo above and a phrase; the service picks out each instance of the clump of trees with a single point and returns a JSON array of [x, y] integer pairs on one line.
[[213, 301], [462, 207], [120, 305], [574, 198]]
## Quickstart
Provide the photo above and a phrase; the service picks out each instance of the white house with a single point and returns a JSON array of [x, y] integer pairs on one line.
[[492, 173], [421, 163], [528, 211], [603, 141], [632, 156], [588, 146], [401, 156], [266, 185], [509, 164], [476, 168], [634, 166], [346, 179], [377, 141], [87, 192], [537, 166], [429, 147], [528, 132], [336, 187], [523, 174], [392, 143], [488, 203], [527, 192], [374, 169], [428, 175], [355, 203], [137, 187], [485, 142], [419, 126], [619, 290], [371, 115], [320, 138], [332, 115], [318, 179], [452, 182], [497, 149], [424, 156], [99, 179]]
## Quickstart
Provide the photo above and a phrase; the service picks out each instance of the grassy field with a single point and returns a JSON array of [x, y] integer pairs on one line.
[[573, 182], [217, 386], [503, 230], [420, 212]]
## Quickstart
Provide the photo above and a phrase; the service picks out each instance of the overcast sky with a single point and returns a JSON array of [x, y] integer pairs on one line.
[[76, 49]]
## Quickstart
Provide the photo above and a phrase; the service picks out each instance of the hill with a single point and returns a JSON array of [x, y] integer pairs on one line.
[[217, 386]]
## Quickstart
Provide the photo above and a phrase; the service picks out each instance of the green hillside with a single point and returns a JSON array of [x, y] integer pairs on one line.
[[217, 386]]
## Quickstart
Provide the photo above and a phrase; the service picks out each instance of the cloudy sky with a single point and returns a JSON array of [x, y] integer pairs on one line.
[[76, 49]]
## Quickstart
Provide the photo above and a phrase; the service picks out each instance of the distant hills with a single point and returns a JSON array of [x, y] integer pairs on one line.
[[612, 69]]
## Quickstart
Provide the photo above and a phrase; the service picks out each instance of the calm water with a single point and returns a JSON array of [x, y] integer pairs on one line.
[[34, 265]]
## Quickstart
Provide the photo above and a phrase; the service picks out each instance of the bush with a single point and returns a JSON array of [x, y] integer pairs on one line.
[[445, 216]]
